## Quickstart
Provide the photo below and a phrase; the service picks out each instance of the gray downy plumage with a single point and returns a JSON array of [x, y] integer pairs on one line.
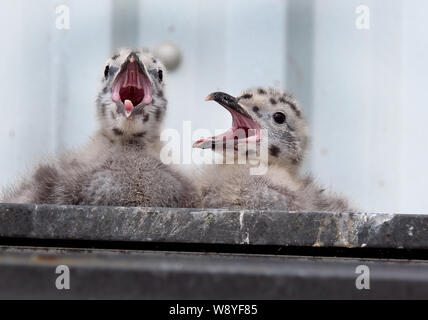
[[120, 165], [282, 187]]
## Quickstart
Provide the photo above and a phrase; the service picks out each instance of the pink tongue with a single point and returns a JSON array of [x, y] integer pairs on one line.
[[128, 105]]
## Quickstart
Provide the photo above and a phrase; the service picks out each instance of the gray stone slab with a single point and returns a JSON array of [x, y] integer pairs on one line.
[[213, 226], [29, 273]]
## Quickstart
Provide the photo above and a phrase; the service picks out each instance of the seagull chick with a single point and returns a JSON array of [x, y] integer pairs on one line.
[[273, 121], [120, 165]]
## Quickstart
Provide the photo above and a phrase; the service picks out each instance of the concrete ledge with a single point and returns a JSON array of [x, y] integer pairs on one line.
[[29, 273], [213, 226], [318, 258]]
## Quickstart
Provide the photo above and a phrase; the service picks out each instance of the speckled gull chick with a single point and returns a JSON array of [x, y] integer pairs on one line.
[[120, 165], [282, 187]]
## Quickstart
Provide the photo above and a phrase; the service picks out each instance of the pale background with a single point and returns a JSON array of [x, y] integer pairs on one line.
[[364, 91]]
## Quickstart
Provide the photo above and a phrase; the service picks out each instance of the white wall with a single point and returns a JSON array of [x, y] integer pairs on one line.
[[49, 78], [26, 113], [368, 108], [414, 108], [356, 102]]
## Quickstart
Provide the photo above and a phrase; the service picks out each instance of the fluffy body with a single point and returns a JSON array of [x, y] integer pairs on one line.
[[231, 186]]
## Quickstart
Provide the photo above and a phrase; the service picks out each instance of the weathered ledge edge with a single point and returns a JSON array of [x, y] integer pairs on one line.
[[214, 226]]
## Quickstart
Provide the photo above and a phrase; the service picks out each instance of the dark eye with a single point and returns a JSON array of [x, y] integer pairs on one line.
[[106, 71], [279, 117], [160, 75]]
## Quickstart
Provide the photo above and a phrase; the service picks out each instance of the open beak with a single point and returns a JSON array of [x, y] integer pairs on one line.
[[244, 128], [132, 86]]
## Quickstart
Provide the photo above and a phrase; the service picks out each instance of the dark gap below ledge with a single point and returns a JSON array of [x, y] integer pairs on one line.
[[305, 251]]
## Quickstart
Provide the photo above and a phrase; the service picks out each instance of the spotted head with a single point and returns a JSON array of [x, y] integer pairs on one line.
[[131, 102], [270, 109]]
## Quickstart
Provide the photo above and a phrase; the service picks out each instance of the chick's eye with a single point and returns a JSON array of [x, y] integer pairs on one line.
[[279, 117], [160, 75], [106, 71]]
